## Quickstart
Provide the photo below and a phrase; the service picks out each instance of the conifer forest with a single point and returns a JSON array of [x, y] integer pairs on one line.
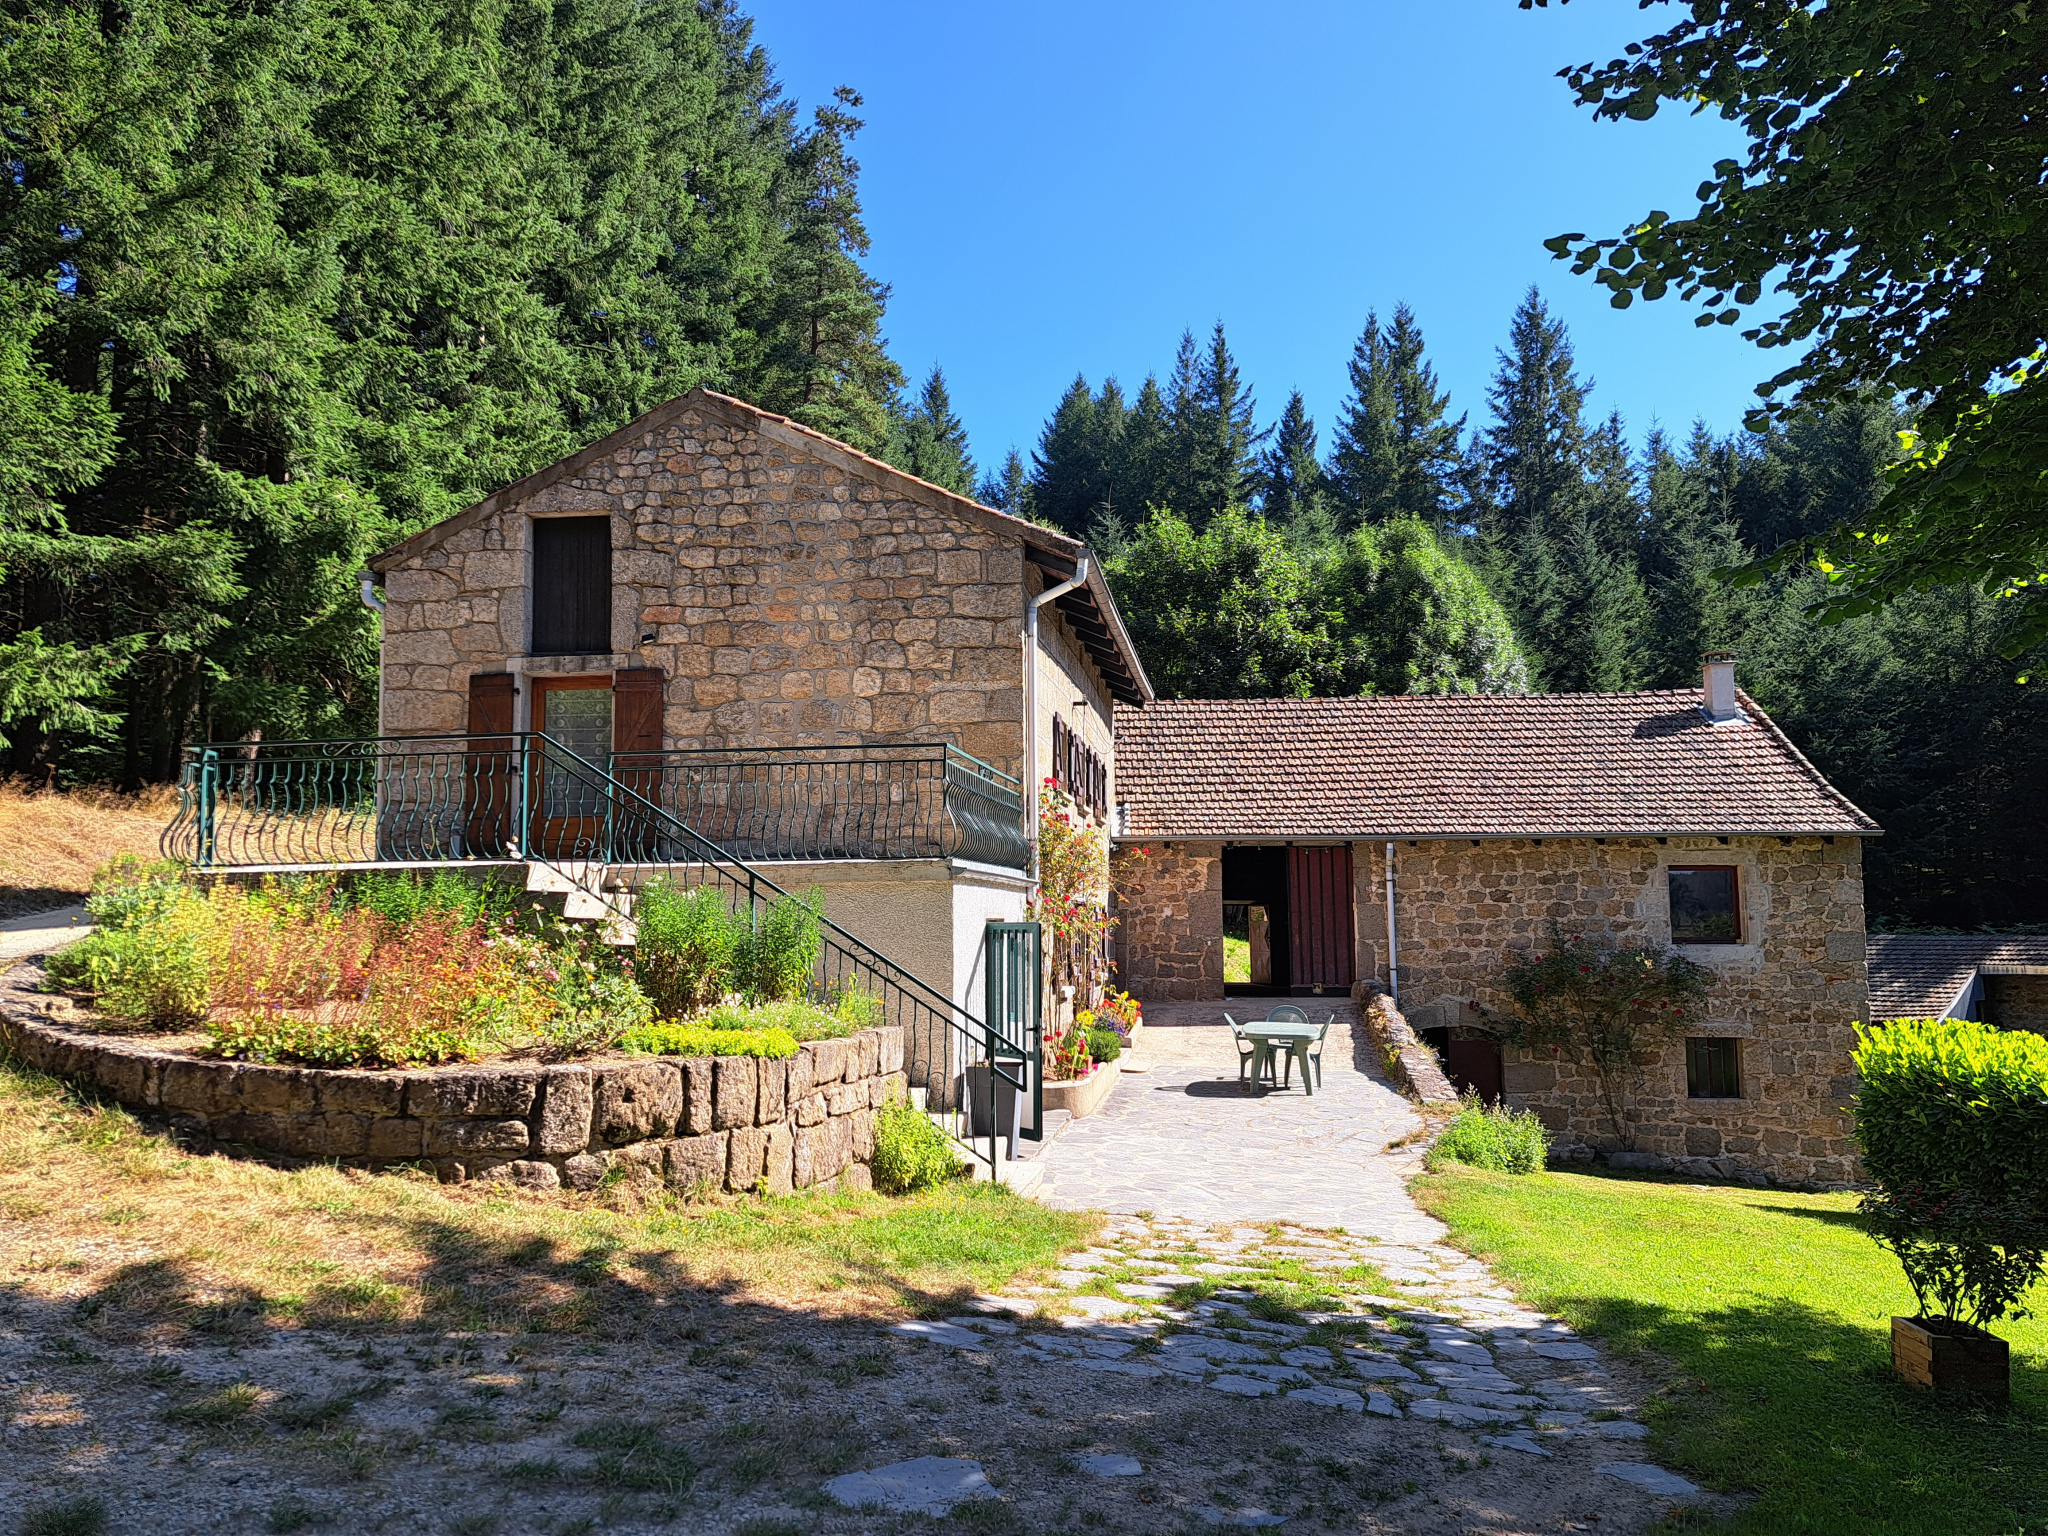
[[283, 284]]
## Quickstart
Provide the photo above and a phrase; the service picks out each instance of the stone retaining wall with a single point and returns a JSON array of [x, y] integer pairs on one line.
[[1411, 1064], [726, 1122]]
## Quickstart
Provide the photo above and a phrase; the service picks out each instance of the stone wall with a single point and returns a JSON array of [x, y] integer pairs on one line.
[[796, 596], [2017, 1002], [726, 1122], [1169, 942], [1790, 994], [1412, 1065]]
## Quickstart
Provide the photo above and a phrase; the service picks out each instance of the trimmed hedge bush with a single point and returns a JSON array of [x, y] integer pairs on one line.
[[1953, 1121]]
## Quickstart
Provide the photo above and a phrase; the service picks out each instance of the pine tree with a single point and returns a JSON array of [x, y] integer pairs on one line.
[[1396, 450], [1533, 448], [1210, 439], [1070, 474], [1138, 466], [1290, 479], [1006, 489], [929, 441]]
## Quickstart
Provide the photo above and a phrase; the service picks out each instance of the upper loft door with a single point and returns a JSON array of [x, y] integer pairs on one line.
[[1321, 947], [572, 586]]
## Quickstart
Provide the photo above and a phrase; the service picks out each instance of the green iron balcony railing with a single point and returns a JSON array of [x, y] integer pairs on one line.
[[916, 802], [432, 798]]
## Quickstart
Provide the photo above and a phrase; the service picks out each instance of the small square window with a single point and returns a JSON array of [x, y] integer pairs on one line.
[[1713, 1068], [1703, 905]]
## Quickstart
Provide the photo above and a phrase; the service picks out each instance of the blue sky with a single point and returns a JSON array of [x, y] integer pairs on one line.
[[1057, 187]]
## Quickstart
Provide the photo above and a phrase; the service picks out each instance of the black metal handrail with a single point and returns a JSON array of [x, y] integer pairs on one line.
[[524, 796]]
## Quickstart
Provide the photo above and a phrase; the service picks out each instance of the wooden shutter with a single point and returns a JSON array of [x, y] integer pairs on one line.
[[572, 586], [1059, 751], [490, 763], [1319, 916], [638, 697]]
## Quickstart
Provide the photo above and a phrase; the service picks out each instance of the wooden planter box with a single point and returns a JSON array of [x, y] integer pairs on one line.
[[1952, 1357], [1082, 1096]]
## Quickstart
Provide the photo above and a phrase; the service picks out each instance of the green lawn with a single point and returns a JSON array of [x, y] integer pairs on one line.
[[1237, 959], [1767, 1315]]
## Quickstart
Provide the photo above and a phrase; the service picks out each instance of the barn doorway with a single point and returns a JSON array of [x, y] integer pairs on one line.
[[1255, 954], [1471, 1060]]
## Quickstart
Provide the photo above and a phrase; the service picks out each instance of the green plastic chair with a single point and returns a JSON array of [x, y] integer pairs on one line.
[[1287, 1013], [1315, 1052], [1245, 1048]]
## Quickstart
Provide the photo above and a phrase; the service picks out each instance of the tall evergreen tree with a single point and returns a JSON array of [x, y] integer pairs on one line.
[[1395, 454], [1211, 442], [1006, 489], [1070, 469], [929, 441], [1290, 479], [1533, 449]]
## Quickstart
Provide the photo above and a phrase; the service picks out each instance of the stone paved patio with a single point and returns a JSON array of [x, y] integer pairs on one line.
[[1185, 1138]]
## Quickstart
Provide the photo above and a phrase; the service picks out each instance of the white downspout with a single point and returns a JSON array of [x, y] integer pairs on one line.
[[366, 588], [1393, 954], [1031, 774]]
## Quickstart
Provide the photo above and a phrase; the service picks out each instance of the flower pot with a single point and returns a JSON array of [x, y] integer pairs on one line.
[[1951, 1357], [1082, 1095]]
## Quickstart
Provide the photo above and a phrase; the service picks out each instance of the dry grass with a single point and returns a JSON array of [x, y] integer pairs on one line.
[[51, 841], [143, 1242]]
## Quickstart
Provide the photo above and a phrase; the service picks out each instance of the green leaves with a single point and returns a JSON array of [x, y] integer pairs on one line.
[[1891, 196]]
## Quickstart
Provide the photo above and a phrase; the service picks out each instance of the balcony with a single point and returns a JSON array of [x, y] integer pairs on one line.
[[440, 799]]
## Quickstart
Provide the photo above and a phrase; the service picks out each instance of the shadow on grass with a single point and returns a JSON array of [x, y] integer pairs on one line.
[[1801, 1409]]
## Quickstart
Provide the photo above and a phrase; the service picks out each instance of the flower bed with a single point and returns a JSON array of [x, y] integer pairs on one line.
[[732, 1121], [390, 971]]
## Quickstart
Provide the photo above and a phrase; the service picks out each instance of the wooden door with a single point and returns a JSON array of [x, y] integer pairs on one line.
[[637, 836], [575, 714], [491, 777], [1319, 918], [1473, 1066]]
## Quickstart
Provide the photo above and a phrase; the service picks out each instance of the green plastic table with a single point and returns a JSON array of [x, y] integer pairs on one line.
[[1268, 1037]]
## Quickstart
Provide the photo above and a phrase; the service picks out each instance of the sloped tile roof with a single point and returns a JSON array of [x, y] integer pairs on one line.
[[1458, 765], [1920, 975]]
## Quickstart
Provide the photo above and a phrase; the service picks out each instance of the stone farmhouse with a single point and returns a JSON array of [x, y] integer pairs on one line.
[[1405, 844], [837, 671], [847, 676]]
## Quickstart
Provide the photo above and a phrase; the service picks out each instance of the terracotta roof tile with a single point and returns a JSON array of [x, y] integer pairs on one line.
[[1458, 765], [1920, 975]]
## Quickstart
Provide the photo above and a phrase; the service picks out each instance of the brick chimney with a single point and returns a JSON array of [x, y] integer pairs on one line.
[[1717, 686]]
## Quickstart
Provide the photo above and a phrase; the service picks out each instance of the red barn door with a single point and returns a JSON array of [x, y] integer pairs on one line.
[[1319, 917]]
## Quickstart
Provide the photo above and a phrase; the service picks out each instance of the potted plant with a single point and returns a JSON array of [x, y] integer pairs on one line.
[[1952, 1117], [1074, 1080]]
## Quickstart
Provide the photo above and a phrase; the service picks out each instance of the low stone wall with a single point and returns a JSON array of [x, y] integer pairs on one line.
[[724, 1122], [1411, 1064]]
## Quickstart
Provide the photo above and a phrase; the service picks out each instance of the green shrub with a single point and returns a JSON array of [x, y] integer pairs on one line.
[[1952, 1118], [1104, 1044], [1604, 1005], [1494, 1137], [701, 1040], [685, 947], [778, 951], [910, 1152], [405, 898], [802, 1018], [148, 962]]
